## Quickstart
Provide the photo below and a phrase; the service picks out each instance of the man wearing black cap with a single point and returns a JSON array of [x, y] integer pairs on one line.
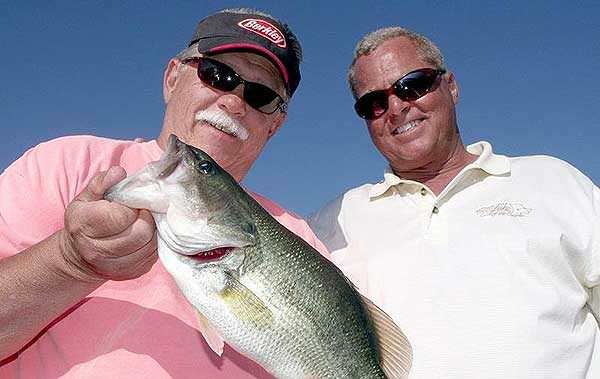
[[265, 54], [80, 291]]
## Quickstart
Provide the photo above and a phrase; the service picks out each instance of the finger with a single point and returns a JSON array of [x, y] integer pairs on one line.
[[100, 183], [131, 266], [99, 219], [142, 259], [139, 266], [138, 234]]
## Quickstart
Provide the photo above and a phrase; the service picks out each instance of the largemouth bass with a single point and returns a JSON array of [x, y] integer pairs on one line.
[[254, 283]]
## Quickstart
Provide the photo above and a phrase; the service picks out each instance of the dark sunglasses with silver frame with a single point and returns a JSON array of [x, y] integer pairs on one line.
[[410, 87], [224, 78]]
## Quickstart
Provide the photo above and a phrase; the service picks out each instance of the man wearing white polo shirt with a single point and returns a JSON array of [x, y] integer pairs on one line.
[[491, 264]]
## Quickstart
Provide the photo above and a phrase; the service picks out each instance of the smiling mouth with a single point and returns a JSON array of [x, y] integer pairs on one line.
[[406, 127], [219, 127]]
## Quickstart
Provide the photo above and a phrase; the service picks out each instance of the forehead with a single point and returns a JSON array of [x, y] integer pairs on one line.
[[390, 61], [253, 67]]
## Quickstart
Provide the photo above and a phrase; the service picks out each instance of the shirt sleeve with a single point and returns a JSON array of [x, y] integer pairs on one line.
[[327, 224], [36, 189], [31, 201], [591, 270]]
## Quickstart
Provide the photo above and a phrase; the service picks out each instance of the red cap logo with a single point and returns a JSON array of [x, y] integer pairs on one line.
[[264, 29]]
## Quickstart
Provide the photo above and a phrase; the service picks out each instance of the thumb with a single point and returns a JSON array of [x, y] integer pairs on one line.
[[102, 181]]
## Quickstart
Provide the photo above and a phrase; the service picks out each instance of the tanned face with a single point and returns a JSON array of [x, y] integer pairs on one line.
[[415, 135], [185, 95]]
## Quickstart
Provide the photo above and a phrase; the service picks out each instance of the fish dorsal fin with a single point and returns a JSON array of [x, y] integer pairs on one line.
[[394, 349], [212, 338]]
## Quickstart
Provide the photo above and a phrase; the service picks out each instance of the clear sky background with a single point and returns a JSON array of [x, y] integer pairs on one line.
[[529, 77]]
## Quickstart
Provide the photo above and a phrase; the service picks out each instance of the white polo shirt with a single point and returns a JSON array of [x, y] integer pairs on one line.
[[497, 277]]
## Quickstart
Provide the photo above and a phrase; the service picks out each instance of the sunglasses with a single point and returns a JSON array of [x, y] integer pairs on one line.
[[223, 78], [410, 87]]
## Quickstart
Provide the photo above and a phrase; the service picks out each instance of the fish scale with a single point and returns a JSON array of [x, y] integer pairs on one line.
[[287, 262], [271, 295]]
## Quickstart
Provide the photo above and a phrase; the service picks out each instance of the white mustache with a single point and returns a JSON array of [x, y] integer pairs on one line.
[[222, 121]]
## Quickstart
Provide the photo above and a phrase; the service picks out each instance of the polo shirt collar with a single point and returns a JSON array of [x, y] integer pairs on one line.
[[487, 161]]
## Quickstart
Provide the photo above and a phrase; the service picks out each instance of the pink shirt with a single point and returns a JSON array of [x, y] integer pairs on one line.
[[141, 328]]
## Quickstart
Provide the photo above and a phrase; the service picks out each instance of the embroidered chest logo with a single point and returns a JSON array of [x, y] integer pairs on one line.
[[504, 208], [264, 29]]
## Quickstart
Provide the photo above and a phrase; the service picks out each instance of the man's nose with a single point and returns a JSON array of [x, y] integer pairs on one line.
[[233, 102], [396, 105]]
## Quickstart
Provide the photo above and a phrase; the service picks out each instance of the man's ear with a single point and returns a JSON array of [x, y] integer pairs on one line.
[[277, 123], [453, 87], [170, 79]]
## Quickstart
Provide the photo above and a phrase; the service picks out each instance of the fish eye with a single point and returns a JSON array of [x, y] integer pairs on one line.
[[206, 167], [249, 228]]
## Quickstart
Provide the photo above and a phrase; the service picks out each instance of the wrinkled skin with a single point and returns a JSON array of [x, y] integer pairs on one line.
[[104, 240], [432, 152], [185, 94]]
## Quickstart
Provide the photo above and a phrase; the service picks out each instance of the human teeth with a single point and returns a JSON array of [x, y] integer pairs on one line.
[[220, 127], [406, 127]]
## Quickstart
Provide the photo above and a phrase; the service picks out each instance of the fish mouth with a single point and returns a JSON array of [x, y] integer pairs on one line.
[[172, 155], [142, 190], [211, 255]]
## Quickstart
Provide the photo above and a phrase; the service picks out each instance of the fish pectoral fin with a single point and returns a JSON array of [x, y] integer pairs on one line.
[[212, 338], [394, 348], [244, 303]]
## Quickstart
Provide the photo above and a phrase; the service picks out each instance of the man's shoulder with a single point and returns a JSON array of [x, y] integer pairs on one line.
[[56, 154], [87, 152], [542, 165], [87, 143], [544, 171], [356, 195], [347, 201], [68, 161], [535, 161]]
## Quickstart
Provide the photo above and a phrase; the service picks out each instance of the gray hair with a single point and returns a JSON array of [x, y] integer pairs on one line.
[[192, 51], [426, 49]]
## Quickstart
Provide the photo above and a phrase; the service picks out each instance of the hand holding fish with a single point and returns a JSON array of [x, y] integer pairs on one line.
[[103, 240]]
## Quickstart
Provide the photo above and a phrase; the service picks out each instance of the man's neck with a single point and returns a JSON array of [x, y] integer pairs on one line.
[[437, 175]]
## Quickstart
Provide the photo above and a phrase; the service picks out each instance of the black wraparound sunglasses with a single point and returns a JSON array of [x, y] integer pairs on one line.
[[410, 87], [224, 78]]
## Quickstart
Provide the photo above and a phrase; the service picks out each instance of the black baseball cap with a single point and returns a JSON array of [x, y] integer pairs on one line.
[[233, 31]]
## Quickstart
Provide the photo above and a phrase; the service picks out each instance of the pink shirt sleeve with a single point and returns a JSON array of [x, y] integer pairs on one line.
[[36, 188]]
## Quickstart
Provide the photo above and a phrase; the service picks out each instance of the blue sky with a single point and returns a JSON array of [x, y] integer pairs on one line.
[[529, 76]]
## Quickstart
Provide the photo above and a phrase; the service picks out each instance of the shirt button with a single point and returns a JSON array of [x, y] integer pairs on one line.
[[423, 191], [436, 210]]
